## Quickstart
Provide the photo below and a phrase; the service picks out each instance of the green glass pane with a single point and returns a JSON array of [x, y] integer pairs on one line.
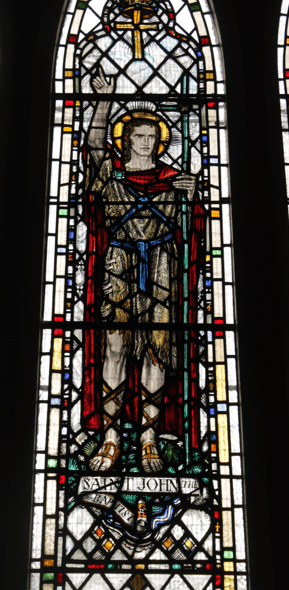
[[48, 576], [52, 463]]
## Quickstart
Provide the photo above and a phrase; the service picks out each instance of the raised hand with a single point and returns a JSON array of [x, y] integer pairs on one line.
[[100, 83]]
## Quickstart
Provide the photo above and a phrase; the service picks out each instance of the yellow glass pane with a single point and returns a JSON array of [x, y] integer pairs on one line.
[[168, 543], [165, 134], [143, 27], [124, 26], [229, 583], [228, 567], [118, 129], [189, 544], [57, 354], [223, 438], [136, 16], [137, 44], [221, 382]]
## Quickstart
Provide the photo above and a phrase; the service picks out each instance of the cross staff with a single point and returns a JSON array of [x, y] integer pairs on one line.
[[185, 165], [185, 304], [136, 26]]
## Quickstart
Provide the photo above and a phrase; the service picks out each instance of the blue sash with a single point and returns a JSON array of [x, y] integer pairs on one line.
[[141, 246]]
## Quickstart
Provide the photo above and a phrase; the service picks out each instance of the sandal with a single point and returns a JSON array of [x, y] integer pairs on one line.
[[149, 455], [105, 454]]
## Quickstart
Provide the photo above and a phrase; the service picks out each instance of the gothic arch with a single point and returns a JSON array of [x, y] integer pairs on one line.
[[178, 58]]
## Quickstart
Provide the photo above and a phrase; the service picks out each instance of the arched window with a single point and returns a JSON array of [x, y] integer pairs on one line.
[[138, 457]]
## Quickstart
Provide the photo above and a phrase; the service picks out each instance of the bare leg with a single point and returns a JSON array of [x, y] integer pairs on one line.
[[114, 373], [152, 378]]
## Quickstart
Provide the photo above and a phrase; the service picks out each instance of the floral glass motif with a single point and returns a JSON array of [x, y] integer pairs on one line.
[[138, 470]]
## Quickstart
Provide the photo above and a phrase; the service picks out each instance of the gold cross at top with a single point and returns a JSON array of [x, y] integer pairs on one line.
[[136, 26]]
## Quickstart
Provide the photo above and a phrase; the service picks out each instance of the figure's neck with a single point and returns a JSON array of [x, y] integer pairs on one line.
[[138, 162]]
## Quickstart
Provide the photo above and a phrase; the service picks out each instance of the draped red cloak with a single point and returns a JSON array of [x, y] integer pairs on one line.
[[154, 181]]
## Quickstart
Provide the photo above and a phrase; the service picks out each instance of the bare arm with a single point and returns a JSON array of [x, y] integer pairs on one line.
[[98, 126]]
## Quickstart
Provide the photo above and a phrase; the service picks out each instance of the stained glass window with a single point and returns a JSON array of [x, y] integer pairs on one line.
[[138, 462]]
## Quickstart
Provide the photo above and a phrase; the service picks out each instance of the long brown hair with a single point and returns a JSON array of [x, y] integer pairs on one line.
[[129, 129]]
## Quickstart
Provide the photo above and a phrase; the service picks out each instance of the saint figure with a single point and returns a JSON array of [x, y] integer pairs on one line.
[[141, 206]]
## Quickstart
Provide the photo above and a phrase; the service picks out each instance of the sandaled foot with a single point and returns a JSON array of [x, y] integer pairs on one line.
[[151, 461], [106, 457]]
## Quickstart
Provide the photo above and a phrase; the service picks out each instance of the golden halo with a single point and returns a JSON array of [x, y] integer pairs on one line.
[[117, 128]]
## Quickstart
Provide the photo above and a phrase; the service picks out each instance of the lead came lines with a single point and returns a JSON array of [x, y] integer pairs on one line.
[[67, 336]]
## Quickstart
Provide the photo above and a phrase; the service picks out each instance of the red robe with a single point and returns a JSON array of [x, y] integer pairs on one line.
[[156, 180]]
